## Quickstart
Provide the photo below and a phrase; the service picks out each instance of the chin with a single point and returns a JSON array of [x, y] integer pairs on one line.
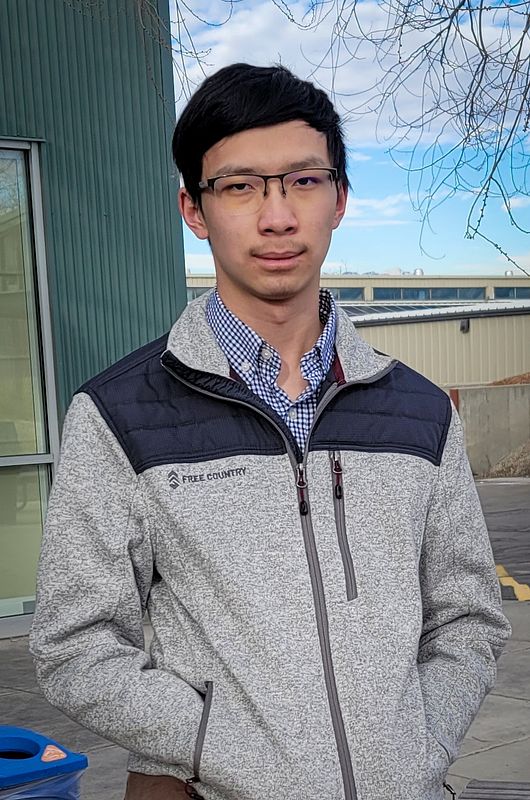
[[281, 290]]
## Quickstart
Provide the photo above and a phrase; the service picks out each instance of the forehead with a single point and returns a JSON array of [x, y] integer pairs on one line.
[[270, 149]]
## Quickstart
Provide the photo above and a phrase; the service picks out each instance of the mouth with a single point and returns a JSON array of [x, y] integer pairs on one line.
[[279, 257]]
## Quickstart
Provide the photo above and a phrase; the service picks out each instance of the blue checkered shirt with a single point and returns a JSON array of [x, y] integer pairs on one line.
[[258, 363]]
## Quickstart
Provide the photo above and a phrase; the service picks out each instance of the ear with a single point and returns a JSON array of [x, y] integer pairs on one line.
[[340, 208], [192, 214]]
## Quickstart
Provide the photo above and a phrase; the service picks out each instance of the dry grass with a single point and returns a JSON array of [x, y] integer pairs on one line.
[[515, 465], [524, 378]]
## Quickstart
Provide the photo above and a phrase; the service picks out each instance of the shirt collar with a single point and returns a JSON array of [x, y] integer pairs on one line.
[[240, 344], [243, 347], [325, 344]]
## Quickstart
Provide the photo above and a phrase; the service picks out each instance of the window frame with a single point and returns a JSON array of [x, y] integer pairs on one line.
[[51, 456], [19, 624]]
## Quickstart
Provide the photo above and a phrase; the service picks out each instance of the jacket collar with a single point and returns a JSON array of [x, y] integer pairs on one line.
[[192, 341]]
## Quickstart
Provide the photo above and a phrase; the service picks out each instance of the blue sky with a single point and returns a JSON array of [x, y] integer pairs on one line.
[[382, 231]]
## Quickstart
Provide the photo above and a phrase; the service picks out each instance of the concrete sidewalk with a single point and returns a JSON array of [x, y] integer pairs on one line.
[[496, 748]]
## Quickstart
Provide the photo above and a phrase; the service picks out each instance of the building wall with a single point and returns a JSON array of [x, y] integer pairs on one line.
[[96, 88], [501, 411], [493, 348]]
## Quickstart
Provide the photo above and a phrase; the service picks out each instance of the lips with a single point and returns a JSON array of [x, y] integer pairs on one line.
[[279, 255]]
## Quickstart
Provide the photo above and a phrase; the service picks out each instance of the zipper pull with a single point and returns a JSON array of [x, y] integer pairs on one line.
[[336, 468], [301, 485], [190, 791]]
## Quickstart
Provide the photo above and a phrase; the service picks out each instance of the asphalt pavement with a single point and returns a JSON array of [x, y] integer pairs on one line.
[[506, 506], [497, 747]]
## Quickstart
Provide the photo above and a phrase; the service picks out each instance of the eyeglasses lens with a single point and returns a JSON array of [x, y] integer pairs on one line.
[[245, 194]]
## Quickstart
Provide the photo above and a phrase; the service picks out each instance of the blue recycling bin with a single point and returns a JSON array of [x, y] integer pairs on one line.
[[35, 766]]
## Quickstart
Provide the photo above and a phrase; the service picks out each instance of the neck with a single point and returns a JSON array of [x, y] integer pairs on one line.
[[291, 326]]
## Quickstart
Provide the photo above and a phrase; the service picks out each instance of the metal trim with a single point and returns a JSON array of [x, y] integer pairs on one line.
[[12, 143], [26, 461], [18, 625], [50, 392], [504, 312]]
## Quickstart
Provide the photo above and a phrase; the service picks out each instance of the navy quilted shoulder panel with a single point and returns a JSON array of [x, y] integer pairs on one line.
[[162, 419], [402, 412], [159, 420]]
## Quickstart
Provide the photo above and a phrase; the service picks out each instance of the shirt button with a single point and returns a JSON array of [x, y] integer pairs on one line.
[[266, 353], [245, 366], [292, 413]]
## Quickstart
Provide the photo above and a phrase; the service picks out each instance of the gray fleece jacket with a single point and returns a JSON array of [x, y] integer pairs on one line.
[[326, 622]]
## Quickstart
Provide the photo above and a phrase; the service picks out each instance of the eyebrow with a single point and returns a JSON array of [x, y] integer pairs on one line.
[[238, 169]]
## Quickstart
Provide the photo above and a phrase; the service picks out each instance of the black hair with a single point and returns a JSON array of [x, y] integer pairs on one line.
[[242, 96]]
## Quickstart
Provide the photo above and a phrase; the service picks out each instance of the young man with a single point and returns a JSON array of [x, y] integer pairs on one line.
[[294, 509]]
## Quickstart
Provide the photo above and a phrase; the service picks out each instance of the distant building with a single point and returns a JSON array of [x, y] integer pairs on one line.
[[465, 344], [413, 288]]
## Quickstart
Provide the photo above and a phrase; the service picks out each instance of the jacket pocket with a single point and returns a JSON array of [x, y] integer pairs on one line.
[[201, 735], [340, 523], [440, 748], [438, 762]]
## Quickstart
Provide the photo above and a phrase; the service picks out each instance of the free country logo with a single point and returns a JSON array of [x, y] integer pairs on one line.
[[175, 480]]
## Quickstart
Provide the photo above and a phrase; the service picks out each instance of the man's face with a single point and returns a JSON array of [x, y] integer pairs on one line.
[[276, 252]]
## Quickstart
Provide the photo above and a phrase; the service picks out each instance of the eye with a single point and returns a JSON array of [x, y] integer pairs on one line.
[[237, 184], [307, 181], [238, 187]]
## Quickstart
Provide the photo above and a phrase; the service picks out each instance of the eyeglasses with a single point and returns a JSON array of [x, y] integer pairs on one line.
[[245, 193]]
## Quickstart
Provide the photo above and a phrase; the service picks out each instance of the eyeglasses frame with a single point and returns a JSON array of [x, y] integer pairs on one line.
[[209, 183]]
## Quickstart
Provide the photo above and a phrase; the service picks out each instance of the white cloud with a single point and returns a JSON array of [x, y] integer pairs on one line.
[[522, 260], [373, 222], [359, 157], [199, 263], [386, 207], [517, 202]]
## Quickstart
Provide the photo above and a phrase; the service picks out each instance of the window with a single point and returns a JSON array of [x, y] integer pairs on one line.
[[416, 294], [387, 293], [512, 292], [444, 293], [26, 431], [504, 292], [351, 293], [23, 496], [472, 293]]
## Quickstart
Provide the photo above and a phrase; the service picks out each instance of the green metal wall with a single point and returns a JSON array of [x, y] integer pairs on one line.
[[93, 80]]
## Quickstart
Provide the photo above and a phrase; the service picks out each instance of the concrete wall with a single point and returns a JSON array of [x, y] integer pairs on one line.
[[496, 420]]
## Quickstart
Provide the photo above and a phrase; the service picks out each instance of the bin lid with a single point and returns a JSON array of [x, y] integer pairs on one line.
[[29, 756]]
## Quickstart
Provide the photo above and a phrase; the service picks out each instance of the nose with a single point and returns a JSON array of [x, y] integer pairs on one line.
[[276, 214]]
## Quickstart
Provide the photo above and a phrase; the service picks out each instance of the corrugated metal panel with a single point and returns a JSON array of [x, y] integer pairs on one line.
[[492, 349], [92, 80]]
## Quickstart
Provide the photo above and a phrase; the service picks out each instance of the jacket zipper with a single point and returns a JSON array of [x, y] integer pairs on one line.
[[317, 587], [201, 735], [340, 523], [313, 563]]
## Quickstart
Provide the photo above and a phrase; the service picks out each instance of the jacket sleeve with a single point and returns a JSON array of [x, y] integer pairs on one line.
[[464, 629], [94, 576]]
